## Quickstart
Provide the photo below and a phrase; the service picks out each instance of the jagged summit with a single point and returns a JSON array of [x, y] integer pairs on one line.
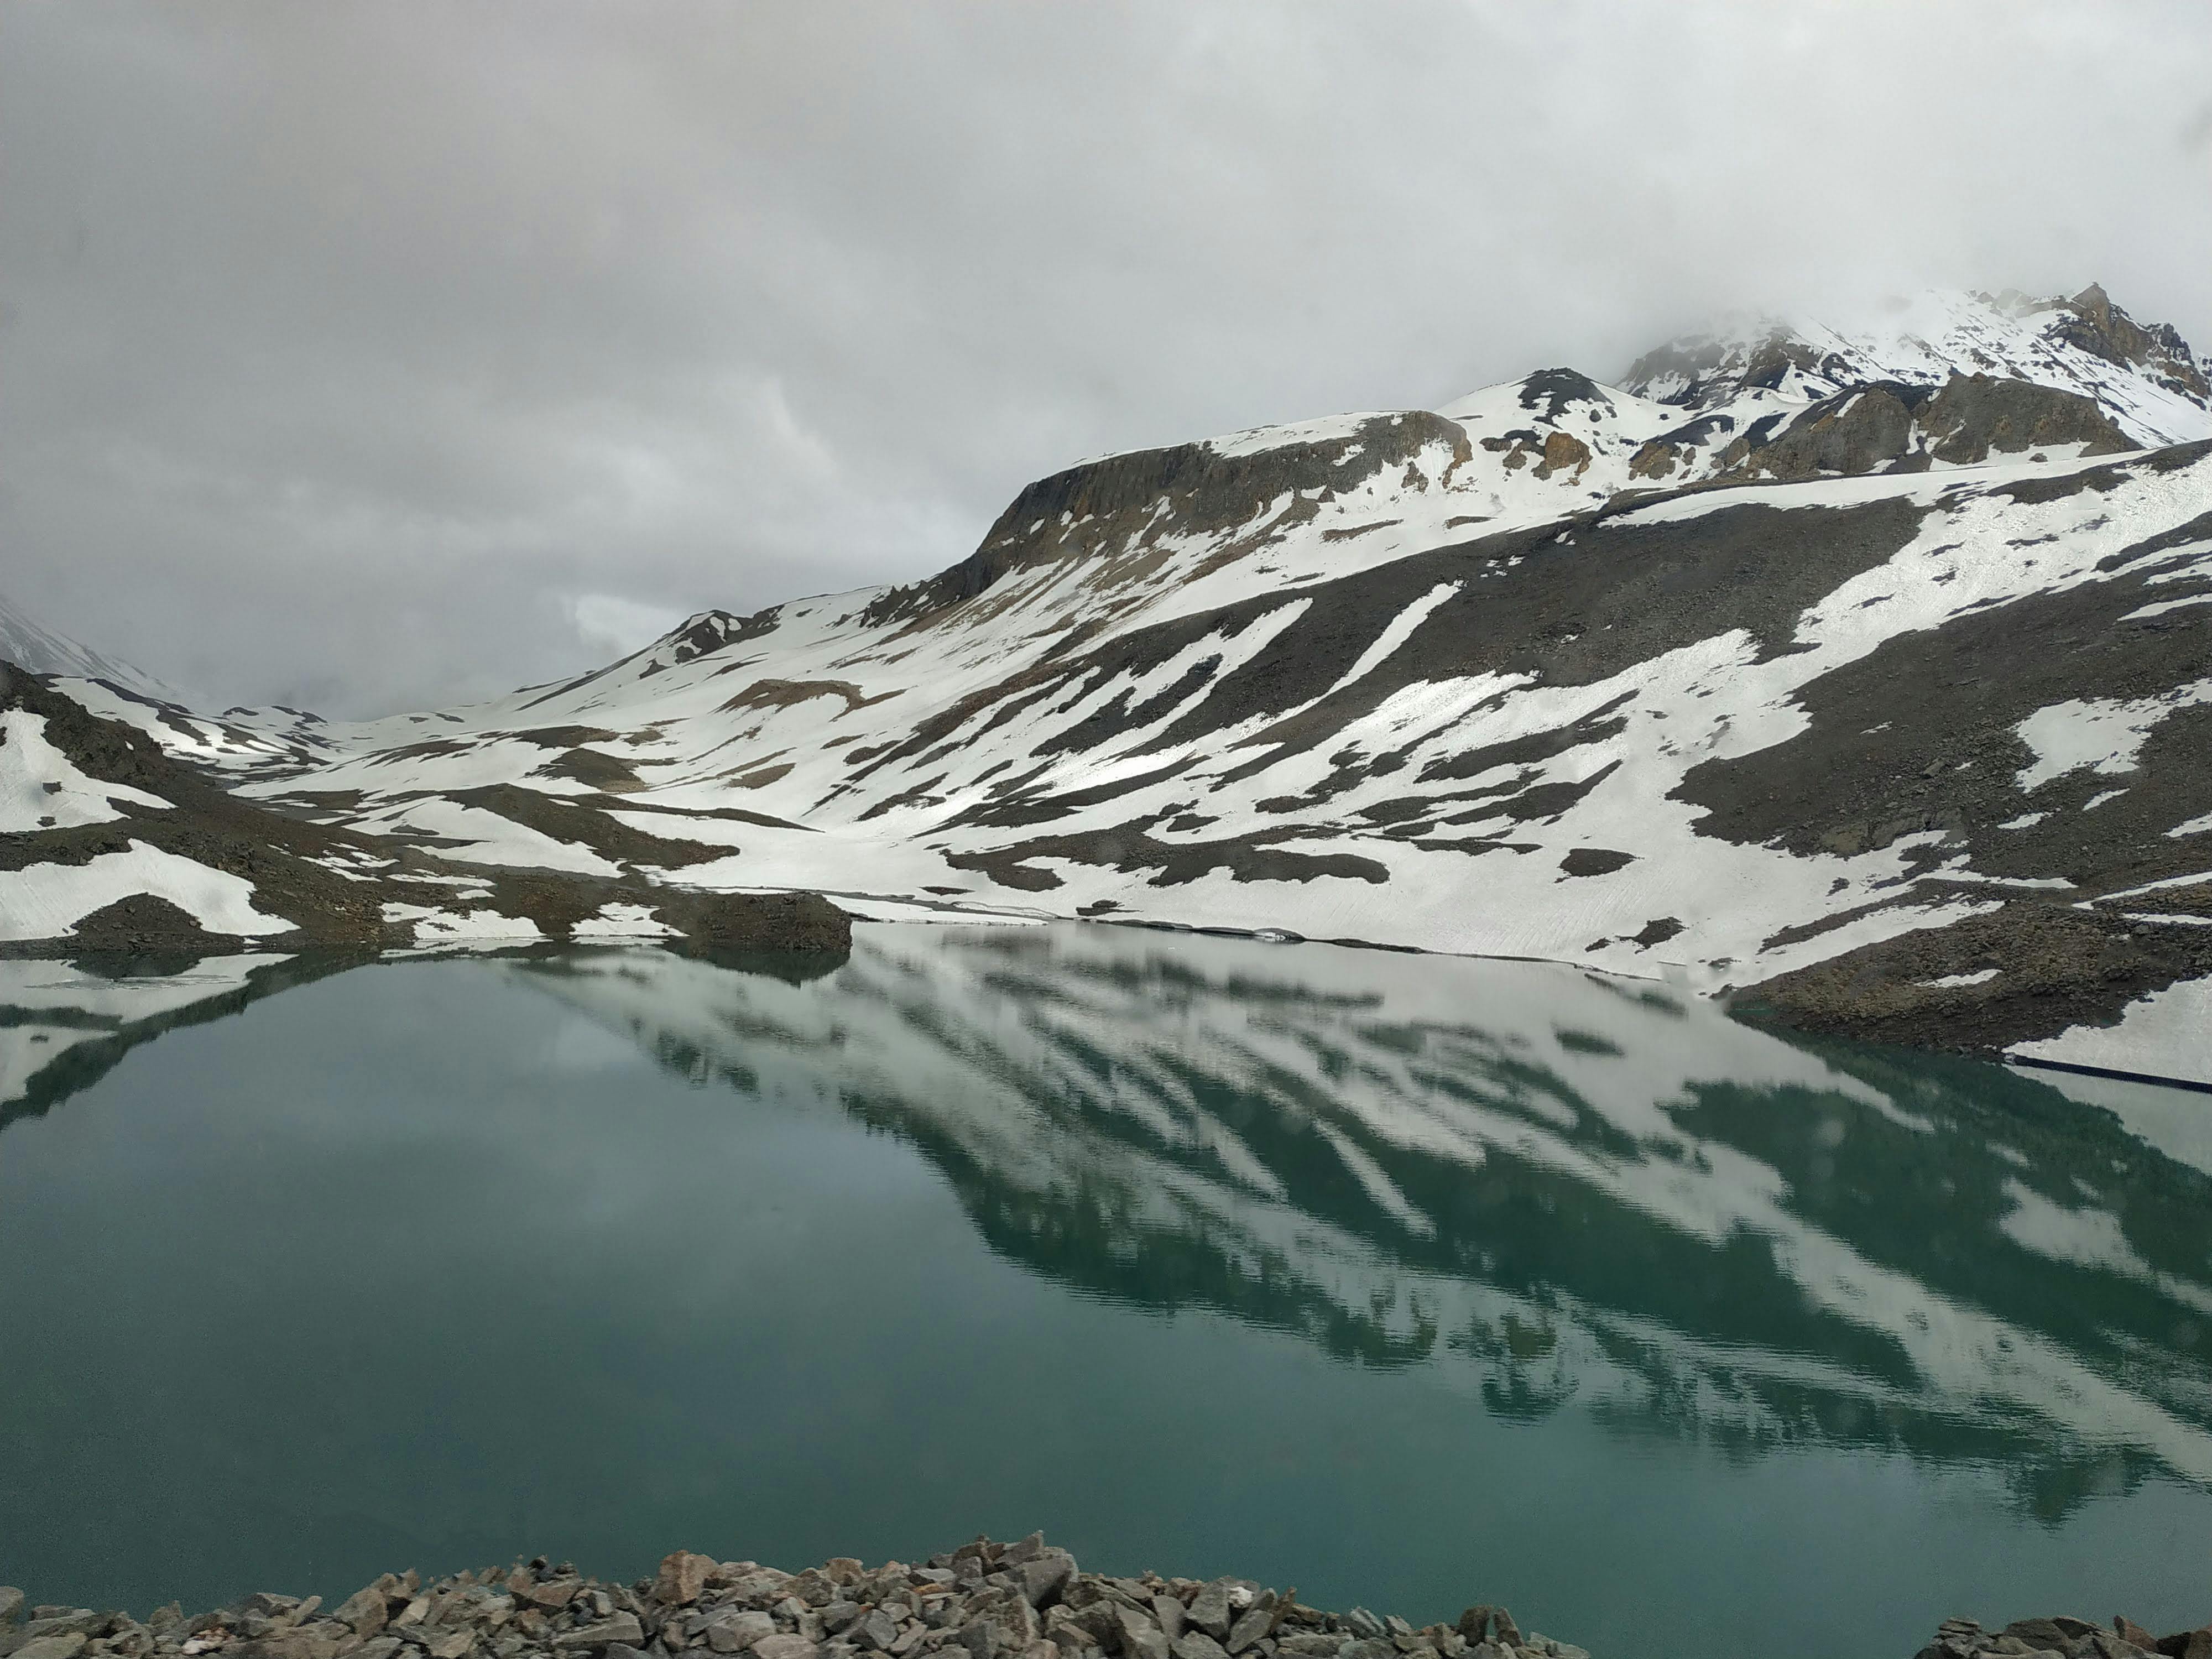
[[2145, 378]]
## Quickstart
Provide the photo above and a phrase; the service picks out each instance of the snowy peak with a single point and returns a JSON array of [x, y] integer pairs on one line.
[[41, 651], [2146, 379]]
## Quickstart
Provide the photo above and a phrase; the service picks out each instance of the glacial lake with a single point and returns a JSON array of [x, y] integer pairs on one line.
[[1413, 1282]]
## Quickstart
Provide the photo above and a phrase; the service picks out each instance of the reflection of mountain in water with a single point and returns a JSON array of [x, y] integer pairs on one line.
[[1553, 1189], [64, 1025], [1561, 1187]]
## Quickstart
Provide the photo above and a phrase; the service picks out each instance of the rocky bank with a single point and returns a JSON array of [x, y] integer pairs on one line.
[[983, 1601]]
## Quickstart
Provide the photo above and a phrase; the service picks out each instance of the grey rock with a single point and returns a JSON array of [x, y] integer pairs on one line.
[[1169, 1610], [364, 1611], [944, 1610], [1196, 1644], [1210, 1611], [874, 1629], [784, 1644], [1251, 1625], [1308, 1645], [734, 1630], [998, 1622], [1027, 1550], [65, 1646], [622, 1628], [624, 1650], [381, 1647], [78, 1621], [1363, 1624], [11, 1604], [1141, 1638], [1044, 1576], [839, 1614]]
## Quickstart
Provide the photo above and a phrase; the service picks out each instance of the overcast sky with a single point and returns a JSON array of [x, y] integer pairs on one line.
[[374, 356]]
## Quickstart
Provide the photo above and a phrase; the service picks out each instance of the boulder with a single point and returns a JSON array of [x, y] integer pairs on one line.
[[1169, 1611], [735, 1631], [1196, 1644], [1044, 1576], [1210, 1610], [364, 1611], [1142, 1637], [1255, 1623], [683, 1576], [595, 1637]]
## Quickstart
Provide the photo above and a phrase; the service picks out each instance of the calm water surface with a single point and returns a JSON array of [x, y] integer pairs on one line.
[[1413, 1282]]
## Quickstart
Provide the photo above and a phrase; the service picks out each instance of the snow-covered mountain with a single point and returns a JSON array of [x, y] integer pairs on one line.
[[1867, 676], [26, 645], [2148, 380]]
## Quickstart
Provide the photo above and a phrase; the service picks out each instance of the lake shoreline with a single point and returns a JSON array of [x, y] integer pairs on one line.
[[983, 1601]]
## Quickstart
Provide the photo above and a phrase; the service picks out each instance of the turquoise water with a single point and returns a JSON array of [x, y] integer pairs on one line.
[[1411, 1282]]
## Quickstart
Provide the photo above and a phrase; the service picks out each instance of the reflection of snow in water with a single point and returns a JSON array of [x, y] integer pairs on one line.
[[2178, 1121], [49, 1008], [1074, 1063], [1484, 1166]]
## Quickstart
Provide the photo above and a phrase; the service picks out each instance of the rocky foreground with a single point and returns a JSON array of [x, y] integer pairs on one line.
[[982, 1601], [990, 1601]]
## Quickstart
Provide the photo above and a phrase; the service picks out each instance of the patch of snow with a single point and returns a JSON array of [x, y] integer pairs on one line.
[[2105, 734], [2167, 1034], [2165, 605], [47, 901], [41, 787], [434, 927], [616, 920]]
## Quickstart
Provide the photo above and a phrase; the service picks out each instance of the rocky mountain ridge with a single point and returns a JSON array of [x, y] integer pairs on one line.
[[1865, 679]]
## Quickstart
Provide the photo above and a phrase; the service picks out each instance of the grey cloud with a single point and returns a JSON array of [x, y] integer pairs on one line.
[[366, 355]]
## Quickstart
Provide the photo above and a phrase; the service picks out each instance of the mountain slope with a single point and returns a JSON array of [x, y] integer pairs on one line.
[[1880, 701], [41, 651], [111, 844]]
